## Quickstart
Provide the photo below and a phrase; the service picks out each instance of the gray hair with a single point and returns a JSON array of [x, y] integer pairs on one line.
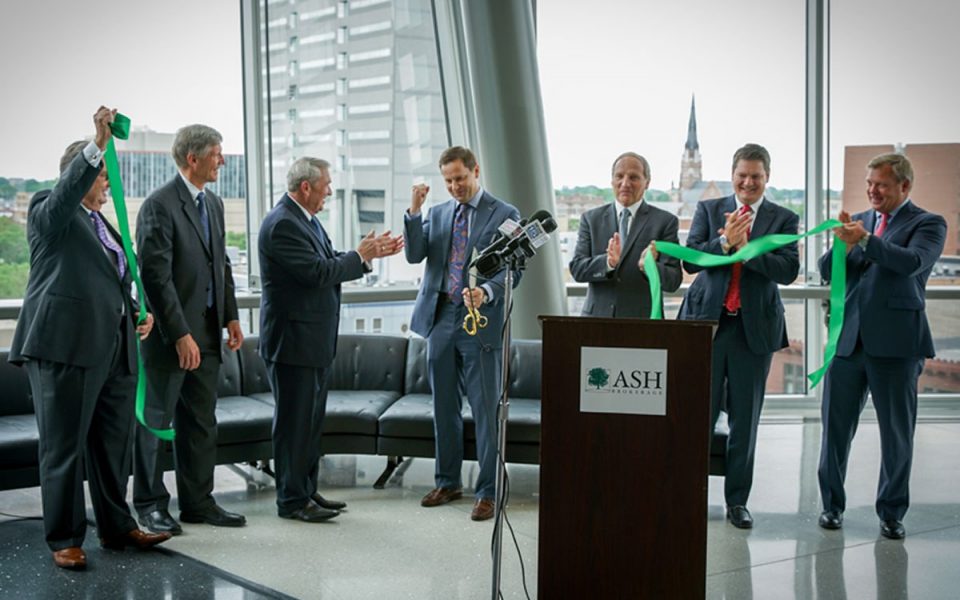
[[643, 162], [305, 169], [196, 140], [899, 164], [752, 152], [71, 153]]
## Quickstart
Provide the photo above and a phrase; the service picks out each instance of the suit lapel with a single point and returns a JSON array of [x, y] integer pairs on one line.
[[104, 261], [190, 211], [763, 220], [901, 220], [480, 219], [297, 215], [637, 223]]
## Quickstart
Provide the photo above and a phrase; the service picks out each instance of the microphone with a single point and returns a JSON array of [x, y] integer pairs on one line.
[[521, 242]]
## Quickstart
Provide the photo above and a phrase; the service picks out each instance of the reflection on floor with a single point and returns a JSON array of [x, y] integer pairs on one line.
[[386, 546]]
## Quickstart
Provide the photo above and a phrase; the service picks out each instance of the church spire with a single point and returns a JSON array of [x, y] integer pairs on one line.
[[690, 166], [692, 143]]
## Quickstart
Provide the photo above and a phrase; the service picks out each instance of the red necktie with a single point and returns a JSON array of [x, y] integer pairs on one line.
[[731, 301], [884, 219]]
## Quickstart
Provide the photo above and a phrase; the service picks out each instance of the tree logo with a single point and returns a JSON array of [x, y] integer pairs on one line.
[[598, 377]]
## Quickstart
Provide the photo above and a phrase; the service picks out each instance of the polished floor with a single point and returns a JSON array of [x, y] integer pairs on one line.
[[386, 546]]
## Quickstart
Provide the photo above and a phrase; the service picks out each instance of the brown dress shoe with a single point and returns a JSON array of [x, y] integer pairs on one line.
[[70, 558], [136, 538], [482, 510], [438, 496]]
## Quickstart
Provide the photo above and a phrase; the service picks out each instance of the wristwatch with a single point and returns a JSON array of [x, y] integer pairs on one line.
[[862, 242], [724, 243]]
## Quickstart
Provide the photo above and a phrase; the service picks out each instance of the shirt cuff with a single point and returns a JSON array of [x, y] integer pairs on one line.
[[92, 154], [489, 291]]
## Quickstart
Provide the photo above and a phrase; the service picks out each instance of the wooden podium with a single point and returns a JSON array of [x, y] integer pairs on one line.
[[623, 497]]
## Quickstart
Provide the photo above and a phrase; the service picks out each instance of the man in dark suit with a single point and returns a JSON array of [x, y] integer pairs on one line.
[[891, 249], [744, 298], [189, 287], [613, 241], [75, 336], [458, 362], [301, 275]]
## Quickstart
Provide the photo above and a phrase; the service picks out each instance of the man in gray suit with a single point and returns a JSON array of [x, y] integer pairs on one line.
[[189, 287], [75, 337], [299, 316], [613, 241]]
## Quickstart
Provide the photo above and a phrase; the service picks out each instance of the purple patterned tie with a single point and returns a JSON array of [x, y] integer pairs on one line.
[[108, 242], [458, 255]]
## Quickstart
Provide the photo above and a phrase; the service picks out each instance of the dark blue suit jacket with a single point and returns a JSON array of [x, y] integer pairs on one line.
[[75, 299], [301, 277], [885, 305], [430, 239], [761, 307]]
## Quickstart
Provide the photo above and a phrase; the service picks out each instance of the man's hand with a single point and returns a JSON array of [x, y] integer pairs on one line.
[[367, 249], [102, 120], [737, 228], [651, 248], [144, 329], [418, 197], [474, 297], [613, 251], [386, 245], [851, 232], [234, 335], [188, 352]]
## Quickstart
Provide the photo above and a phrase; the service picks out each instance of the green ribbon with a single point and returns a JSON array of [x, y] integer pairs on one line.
[[121, 130], [753, 249]]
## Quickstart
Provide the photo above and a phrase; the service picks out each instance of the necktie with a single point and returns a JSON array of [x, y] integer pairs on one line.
[[205, 226], [458, 254], [624, 226], [731, 301], [318, 229], [884, 219], [204, 219], [109, 243]]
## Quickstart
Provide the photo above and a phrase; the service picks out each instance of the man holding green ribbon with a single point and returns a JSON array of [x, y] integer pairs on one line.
[[76, 338], [891, 249], [744, 299]]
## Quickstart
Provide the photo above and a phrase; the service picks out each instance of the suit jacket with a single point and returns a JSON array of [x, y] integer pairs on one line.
[[761, 306], [75, 300], [176, 265], [301, 276], [430, 239], [885, 304], [624, 291]]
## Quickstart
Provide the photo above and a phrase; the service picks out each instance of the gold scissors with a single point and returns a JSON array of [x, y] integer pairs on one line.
[[473, 321]]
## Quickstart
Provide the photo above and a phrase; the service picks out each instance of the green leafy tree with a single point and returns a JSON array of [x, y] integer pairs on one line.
[[13, 280], [238, 239], [13, 242], [598, 377]]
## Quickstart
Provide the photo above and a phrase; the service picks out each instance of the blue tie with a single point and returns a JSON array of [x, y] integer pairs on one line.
[[624, 225], [318, 229], [205, 226]]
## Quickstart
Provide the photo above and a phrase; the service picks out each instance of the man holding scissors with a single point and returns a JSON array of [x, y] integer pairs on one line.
[[447, 237]]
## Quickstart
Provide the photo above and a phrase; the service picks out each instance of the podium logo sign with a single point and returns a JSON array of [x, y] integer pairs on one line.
[[623, 380]]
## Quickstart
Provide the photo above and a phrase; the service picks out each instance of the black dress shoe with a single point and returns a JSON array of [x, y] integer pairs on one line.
[[328, 504], [739, 517], [310, 513], [160, 521], [831, 519], [214, 516], [892, 529]]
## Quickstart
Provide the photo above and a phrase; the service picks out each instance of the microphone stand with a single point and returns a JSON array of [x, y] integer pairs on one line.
[[502, 413]]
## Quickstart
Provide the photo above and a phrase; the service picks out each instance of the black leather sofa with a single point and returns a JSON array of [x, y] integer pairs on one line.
[[379, 403]]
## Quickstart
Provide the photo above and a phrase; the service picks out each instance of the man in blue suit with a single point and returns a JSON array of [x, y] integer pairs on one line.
[[301, 275], [745, 300], [459, 362], [891, 249]]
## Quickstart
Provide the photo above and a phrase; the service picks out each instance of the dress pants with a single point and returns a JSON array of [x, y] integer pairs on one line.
[[892, 383], [739, 376], [300, 395], [459, 363], [85, 420]]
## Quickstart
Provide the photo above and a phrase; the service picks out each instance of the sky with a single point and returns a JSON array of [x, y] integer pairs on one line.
[[617, 76]]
